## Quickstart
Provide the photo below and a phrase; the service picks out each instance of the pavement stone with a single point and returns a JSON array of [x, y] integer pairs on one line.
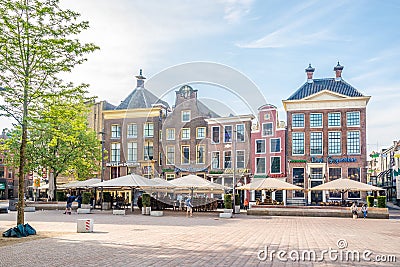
[[204, 240]]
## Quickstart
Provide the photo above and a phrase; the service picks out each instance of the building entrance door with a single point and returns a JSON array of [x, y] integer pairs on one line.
[[316, 196]]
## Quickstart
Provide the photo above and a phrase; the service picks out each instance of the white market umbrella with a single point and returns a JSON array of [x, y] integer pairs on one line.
[[130, 180], [194, 182], [82, 184], [345, 184], [270, 184]]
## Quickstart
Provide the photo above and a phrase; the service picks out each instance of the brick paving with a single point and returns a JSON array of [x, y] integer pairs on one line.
[[204, 240]]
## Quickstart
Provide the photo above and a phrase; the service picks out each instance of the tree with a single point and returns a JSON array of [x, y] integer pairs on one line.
[[36, 45]]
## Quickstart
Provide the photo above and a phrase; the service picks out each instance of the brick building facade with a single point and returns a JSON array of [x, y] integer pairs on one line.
[[326, 121]]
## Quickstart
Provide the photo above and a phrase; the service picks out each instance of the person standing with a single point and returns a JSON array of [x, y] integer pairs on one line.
[[364, 210], [139, 203], [189, 207], [246, 203]]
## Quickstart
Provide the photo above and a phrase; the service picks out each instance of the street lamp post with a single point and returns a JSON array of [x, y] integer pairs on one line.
[[102, 168], [234, 170]]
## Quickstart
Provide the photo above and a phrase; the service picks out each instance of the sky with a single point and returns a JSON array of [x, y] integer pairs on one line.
[[270, 42]]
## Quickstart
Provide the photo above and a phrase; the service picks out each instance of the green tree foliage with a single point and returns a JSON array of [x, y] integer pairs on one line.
[[37, 43]]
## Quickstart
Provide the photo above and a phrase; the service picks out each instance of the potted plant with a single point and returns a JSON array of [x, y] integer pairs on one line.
[[146, 201], [107, 201], [370, 201], [237, 203], [228, 202], [86, 200], [381, 201]]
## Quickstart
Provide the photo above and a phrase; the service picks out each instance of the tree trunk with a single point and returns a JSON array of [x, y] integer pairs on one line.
[[21, 175]]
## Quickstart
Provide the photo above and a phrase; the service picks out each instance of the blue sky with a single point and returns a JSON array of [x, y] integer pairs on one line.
[[271, 42]]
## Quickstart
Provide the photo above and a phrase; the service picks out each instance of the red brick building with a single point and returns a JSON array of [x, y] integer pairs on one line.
[[268, 158], [326, 136]]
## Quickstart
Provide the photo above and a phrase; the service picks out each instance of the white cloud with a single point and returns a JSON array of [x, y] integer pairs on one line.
[[235, 10]]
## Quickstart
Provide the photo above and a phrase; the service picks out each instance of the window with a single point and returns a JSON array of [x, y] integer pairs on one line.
[[267, 129], [148, 129], [148, 151], [334, 119], [353, 118], [260, 165], [240, 159], [240, 132], [227, 134], [267, 116], [298, 143], [275, 165], [215, 134], [316, 143], [227, 159], [185, 134], [316, 173], [335, 173], [170, 134], [334, 143], [353, 142], [215, 160], [185, 157], [115, 152], [354, 174], [275, 145], [185, 115], [132, 152], [201, 132], [200, 154], [115, 131], [297, 120], [298, 179], [132, 130], [260, 146], [316, 120], [170, 155]]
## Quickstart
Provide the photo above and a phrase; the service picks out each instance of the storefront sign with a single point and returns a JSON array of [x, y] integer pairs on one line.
[[122, 164], [240, 171], [298, 161], [331, 160]]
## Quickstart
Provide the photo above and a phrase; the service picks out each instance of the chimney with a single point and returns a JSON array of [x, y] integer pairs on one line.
[[310, 71], [140, 79], [338, 69]]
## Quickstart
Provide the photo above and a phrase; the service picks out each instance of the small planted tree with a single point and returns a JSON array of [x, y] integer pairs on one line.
[[146, 200], [228, 201], [370, 201], [86, 197], [381, 201]]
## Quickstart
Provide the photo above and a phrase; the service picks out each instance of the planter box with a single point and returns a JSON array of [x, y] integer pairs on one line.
[[118, 212], [237, 209], [106, 205], [29, 209], [86, 206], [156, 213], [225, 215], [146, 210], [228, 210], [83, 211]]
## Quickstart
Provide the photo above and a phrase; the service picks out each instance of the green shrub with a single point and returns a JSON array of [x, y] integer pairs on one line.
[[237, 200], [370, 201], [60, 196], [382, 202], [228, 201], [146, 200], [86, 197], [107, 197]]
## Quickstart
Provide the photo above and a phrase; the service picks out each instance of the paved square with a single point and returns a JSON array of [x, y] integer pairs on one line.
[[204, 240]]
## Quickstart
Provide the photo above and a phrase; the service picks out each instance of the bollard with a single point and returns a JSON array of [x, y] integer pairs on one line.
[[85, 225]]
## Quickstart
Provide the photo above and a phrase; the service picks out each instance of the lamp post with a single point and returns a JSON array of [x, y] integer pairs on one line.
[[102, 167], [234, 170]]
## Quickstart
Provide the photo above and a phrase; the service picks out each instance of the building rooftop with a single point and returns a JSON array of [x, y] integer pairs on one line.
[[140, 98], [331, 84]]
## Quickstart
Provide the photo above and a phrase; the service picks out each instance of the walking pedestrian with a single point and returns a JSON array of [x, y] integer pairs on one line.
[[79, 200], [353, 210], [189, 207], [364, 210], [68, 208]]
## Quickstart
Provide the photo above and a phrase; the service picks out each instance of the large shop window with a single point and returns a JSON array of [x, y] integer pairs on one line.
[[354, 174], [298, 179], [335, 173]]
